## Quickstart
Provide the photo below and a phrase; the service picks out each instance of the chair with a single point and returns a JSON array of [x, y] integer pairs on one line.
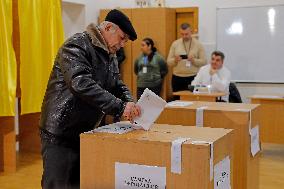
[[234, 96]]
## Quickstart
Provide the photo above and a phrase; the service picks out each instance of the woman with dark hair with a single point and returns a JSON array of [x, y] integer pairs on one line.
[[150, 68]]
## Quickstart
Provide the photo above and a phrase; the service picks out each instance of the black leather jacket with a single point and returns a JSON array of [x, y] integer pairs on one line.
[[83, 86]]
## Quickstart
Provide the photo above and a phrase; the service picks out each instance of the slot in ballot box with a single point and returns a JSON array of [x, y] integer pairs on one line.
[[243, 118], [166, 156]]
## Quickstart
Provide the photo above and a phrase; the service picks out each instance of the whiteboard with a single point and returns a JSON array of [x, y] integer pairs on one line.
[[252, 39]]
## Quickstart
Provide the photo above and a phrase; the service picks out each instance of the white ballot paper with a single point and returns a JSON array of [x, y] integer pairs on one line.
[[222, 174], [254, 134], [115, 128], [132, 176], [151, 107], [179, 104]]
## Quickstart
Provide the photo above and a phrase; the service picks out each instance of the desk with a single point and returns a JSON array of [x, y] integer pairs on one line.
[[272, 117], [230, 116], [189, 96]]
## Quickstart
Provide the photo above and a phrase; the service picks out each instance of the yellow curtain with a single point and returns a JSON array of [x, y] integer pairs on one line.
[[8, 73], [41, 34]]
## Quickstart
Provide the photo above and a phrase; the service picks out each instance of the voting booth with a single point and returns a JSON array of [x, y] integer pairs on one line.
[[166, 156], [243, 118]]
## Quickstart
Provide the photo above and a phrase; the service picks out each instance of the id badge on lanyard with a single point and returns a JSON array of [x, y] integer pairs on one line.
[[144, 70], [188, 64]]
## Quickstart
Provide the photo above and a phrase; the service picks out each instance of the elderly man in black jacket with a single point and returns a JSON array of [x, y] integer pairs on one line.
[[84, 86]]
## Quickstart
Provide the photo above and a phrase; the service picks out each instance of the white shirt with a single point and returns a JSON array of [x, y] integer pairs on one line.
[[219, 82]]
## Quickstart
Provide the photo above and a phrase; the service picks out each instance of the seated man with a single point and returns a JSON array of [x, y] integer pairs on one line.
[[215, 74]]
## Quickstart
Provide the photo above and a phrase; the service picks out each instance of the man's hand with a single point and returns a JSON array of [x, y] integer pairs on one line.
[[191, 58], [131, 111], [212, 71], [177, 59]]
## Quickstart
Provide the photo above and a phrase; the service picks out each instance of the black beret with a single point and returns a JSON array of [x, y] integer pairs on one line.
[[122, 21]]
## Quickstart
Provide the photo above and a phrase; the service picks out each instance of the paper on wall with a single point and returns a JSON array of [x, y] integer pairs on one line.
[[176, 155], [222, 174], [179, 104], [132, 176], [151, 107], [199, 116], [254, 140]]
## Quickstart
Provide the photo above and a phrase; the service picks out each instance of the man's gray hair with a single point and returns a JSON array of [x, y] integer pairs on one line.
[[105, 23]]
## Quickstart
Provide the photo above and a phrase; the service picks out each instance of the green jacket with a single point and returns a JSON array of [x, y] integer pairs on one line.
[[154, 73]]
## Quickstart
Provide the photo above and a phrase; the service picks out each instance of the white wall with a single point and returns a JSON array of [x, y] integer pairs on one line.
[[207, 34], [207, 26], [247, 90], [73, 16], [93, 7]]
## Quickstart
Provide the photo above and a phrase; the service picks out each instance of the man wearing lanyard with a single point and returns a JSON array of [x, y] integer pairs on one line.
[[186, 56]]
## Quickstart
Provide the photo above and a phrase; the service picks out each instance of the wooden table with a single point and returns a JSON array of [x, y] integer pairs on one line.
[[237, 116], [272, 117], [190, 96]]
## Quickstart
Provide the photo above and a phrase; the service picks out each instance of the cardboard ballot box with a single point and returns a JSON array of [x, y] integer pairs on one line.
[[243, 118], [166, 156], [272, 117]]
